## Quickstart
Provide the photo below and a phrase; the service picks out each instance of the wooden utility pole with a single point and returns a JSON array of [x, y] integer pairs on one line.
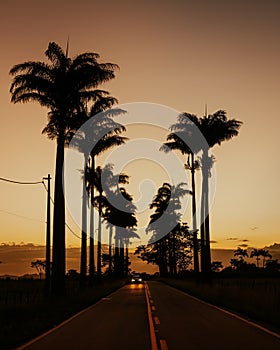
[[48, 235]]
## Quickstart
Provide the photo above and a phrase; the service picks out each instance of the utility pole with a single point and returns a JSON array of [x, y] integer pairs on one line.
[[48, 235]]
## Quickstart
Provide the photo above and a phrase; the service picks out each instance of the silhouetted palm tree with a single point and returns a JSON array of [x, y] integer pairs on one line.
[[241, 253], [62, 85], [103, 133], [165, 218], [265, 254], [175, 142], [215, 128], [256, 253], [121, 214], [104, 177]]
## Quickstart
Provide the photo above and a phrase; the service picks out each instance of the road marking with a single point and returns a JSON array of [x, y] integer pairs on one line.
[[151, 323], [231, 314], [156, 320], [163, 344]]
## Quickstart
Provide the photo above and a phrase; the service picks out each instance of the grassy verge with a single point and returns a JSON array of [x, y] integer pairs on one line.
[[255, 298], [25, 313]]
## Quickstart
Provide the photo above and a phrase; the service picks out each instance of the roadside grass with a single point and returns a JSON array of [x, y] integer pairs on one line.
[[255, 298], [26, 313]]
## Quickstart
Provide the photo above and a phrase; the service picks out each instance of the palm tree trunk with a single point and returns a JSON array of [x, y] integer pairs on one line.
[[83, 263], [91, 239], [99, 246], [126, 257], [121, 265], [174, 254], [202, 229], [110, 249], [207, 224], [195, 243], [117, 254], [58, 265]]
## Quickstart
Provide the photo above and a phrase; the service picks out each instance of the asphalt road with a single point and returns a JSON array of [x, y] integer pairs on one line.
[[189, 324], [121, 322], [117, 322]]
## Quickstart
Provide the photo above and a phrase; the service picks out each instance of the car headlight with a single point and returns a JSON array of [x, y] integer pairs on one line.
[[132, 280], [140, 279]]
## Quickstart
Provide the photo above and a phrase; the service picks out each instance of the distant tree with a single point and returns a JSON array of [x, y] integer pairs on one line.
[[265, 254], [40, 266], [256, 253], [272, 265], [216, 266], [72, 273], [241, 253], [166, 203], [172, 253]]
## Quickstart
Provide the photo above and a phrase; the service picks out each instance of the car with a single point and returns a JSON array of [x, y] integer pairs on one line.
[[136, 278]]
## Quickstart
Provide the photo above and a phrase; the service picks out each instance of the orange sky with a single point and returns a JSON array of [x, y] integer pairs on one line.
[[181, 54]]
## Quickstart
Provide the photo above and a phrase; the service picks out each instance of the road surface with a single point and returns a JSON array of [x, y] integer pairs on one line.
[[131, 317]]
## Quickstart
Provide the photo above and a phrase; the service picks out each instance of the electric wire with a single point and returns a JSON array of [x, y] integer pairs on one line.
[[33, 183]]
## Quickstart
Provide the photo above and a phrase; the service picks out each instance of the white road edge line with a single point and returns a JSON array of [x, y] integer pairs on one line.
[[34, 340], [230, 313]]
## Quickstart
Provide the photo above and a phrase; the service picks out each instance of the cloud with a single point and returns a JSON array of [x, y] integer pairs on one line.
[[232, 239], [243, 245], [213, 242], [244, 240]]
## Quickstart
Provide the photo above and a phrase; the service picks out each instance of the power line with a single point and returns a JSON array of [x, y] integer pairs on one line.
[[20, 182], [20, 216], [69, 228], [35, 183]]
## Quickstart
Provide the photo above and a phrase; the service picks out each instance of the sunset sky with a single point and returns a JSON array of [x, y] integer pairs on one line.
[[181, 54]]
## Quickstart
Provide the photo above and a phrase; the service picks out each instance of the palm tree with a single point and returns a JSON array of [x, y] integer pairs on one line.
[[215, 128], [122, 216], [241, 253], [165, 218], [175, 142], [103, 180], [265, 254], [63, 85], [103, 133], [256, 253]]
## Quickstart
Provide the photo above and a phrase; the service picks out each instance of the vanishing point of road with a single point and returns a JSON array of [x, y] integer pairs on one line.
[[154, 316]]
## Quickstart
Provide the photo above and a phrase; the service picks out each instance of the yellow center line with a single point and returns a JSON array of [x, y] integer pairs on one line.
[[151, 324]]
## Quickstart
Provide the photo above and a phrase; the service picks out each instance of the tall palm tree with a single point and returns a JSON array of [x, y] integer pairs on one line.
[[122, 216], [175, 142], [103, 180], [215, 128], [62, 85], [103, 133]]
